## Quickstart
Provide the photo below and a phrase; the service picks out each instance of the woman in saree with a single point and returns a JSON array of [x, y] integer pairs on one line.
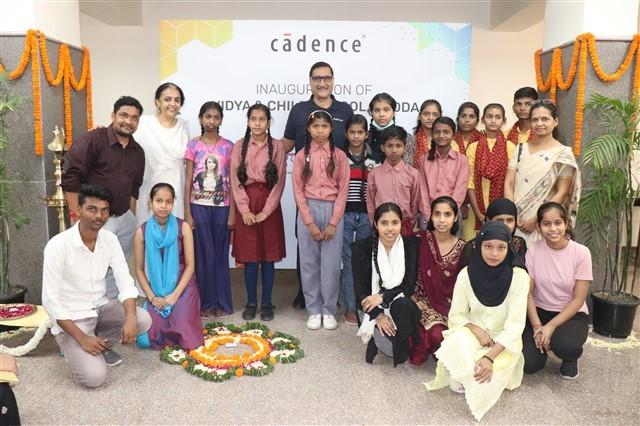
[[481, 354], [438, 266], [542, 170]]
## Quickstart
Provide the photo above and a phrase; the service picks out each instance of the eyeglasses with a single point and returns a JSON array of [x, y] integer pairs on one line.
[[319, 78]]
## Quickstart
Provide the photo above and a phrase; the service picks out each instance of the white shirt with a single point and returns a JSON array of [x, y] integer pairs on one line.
[[73, 277]]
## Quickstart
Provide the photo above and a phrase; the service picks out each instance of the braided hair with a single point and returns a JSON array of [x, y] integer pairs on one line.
[[447, 121], [203, 110], [271, 171], [375, 237], [317, 115]]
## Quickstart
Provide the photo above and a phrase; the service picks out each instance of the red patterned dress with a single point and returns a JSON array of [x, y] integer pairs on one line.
[[434, 288]]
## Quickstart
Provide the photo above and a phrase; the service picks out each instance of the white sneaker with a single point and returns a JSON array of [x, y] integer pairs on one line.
[[329, 322], [455, 386], [314, 322]]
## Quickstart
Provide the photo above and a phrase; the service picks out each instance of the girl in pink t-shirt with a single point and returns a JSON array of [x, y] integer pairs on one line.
[[561, 274]]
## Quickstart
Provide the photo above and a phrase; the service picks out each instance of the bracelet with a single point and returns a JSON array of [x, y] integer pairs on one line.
[[152, 299], [487, 357]]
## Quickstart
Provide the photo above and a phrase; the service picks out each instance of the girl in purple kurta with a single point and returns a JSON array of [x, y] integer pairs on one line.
[[164, 244]]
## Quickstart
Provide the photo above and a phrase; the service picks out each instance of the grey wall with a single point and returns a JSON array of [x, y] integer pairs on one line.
[[611, 54], [32, 176]]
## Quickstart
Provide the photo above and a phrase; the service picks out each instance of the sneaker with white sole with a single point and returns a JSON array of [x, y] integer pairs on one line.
[[314, 322], [329, 322], [455, 386], [569, 370], [111, 358]]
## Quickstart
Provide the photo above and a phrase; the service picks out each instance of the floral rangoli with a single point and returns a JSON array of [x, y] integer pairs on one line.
[[229, 350]]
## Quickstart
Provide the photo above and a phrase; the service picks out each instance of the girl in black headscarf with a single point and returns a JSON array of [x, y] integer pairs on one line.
[[481, 354], [500, 210]]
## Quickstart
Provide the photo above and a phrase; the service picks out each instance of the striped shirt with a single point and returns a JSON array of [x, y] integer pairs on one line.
[[357, 198]]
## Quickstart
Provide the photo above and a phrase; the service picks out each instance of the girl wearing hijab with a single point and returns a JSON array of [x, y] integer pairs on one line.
[[500, 210], [481, 354], [384, 274]]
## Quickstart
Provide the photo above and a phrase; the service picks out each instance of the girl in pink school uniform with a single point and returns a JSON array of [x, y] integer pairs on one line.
[[164, 265], [443, 171], [395, 181], [320, 186], [210, 210], [257, 179]]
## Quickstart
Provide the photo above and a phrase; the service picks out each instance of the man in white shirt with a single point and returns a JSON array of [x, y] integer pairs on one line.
[[86, 324]]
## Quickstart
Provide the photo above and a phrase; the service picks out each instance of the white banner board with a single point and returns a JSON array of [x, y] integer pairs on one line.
[[239, 63]]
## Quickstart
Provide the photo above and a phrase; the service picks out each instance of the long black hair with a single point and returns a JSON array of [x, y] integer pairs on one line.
[[270, 171]]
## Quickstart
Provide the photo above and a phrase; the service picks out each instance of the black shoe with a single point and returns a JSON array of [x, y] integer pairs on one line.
[[372, 351], [569, 370], [266, 312], [298, 303], [249, 312], [111, 358]]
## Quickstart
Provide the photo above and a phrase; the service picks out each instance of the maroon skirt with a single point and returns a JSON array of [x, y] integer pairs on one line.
[[262, 241]]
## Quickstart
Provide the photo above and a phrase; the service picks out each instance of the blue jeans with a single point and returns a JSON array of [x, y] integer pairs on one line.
[[356, 227]]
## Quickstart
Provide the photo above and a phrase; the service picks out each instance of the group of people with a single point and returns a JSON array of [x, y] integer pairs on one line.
[[441, 231]]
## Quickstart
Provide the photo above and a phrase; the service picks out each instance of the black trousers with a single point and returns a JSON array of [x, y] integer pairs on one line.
[[406, 316], [566, 341], [9, 415]]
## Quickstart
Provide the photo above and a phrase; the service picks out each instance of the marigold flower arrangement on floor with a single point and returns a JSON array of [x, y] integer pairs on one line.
[[229, 350]]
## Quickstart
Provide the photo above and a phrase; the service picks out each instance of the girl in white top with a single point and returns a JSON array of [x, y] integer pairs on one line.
[[164, 138]]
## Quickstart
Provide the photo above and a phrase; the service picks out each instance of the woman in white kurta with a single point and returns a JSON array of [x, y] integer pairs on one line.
[[164, 138], [481, 354]]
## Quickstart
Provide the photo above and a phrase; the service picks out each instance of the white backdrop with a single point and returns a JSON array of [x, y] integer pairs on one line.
[[238, 63]]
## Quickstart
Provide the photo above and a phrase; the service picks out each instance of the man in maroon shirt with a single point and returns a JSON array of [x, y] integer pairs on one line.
[[110, 157]]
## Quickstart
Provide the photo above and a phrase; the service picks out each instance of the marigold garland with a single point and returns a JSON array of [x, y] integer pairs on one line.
[[269, 348], [34, 52], [583, 47]]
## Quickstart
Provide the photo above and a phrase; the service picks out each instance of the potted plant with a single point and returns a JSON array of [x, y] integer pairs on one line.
[[607, 211], [9, 212]]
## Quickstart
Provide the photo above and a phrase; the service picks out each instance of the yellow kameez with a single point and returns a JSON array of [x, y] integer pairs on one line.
[[469, 224], [460, 349]]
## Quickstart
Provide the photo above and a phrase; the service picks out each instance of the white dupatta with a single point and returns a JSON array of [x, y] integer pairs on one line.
[[391, 275]]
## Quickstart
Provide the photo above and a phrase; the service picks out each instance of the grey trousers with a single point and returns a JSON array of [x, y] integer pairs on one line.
[[320, 261], [125, 228], [91, 370]]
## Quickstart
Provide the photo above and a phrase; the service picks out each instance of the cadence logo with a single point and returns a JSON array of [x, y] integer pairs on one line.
[[291, 43]]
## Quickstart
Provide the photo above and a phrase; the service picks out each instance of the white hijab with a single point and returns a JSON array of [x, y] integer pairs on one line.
[[391, 267]]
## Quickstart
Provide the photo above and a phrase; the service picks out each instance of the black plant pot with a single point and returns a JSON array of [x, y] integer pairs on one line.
[[16, 295], [613, 318]]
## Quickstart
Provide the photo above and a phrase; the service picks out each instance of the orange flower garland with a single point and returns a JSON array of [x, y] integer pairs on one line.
[[584, 45], [35, 43]]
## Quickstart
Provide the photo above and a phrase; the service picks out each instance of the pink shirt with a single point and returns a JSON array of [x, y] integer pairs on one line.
[[399, 184], [210, 183], [321, 185], [555, 272], [442, 176], [255, 163]]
